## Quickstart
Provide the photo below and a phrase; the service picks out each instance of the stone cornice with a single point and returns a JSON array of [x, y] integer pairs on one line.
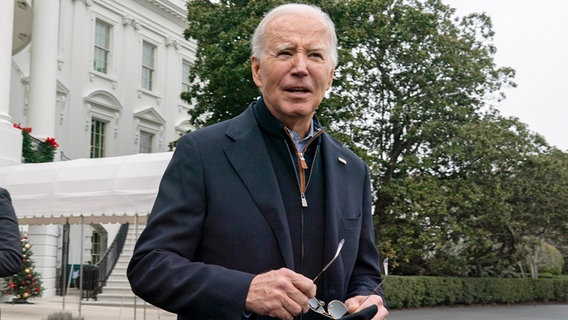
[[168, 8]]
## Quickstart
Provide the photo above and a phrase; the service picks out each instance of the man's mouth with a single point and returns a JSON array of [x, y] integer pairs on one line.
[[297, 90]]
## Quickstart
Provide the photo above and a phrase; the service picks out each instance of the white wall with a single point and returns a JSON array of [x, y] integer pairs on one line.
[[80, 90], [78, 85]]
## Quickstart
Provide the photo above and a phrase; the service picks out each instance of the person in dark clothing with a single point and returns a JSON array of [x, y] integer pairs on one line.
[[10, 243], [250, 210]]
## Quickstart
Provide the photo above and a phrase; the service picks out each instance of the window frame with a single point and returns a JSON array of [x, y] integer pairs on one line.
[[97, 150], [146, 147], [107, 51], [147, 83], [185, 69]]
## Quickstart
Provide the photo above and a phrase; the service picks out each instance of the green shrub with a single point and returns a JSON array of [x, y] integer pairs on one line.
[[420, 291], [552, 260]]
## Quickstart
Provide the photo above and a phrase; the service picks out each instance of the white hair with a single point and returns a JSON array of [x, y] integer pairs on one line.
[[258, 38]]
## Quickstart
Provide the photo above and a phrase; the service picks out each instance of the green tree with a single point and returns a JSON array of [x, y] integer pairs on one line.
[[539, 193], [414, 95], [221, 78], [26, 284]]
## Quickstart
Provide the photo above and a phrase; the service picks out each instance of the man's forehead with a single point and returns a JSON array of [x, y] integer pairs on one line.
[[319, 45], [292, 35], [297, 23]]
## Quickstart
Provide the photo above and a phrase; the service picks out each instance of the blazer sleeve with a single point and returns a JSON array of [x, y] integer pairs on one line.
[[10, 243], [164, 270], [367, 272]]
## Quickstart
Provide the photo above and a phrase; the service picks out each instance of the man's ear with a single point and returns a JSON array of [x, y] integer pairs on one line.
[[330, 81], [255, 67]]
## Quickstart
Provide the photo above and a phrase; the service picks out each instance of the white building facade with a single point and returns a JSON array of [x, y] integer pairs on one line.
[[103, 77]]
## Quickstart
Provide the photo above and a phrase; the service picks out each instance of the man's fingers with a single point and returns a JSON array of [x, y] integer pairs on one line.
[[305, 285], [280, 293]]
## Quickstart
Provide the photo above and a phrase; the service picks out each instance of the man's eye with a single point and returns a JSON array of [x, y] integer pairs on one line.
[[284, 53], [316, 55]]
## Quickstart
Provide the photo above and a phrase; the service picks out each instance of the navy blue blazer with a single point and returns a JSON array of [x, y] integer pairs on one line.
[[219, 220], [10, 243]]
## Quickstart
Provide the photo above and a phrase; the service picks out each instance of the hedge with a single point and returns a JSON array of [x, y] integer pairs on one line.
[[419, 291]]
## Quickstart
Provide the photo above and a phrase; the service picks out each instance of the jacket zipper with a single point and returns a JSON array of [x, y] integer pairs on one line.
[[303, 166]]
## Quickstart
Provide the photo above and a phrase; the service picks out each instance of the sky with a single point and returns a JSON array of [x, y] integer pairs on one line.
[[532, 38]]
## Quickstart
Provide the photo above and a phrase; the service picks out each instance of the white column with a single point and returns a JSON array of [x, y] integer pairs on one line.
[[43, 239], [11, 146], [43, 70], [6, 30]]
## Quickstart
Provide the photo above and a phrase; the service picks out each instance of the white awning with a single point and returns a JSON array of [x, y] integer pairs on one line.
[[104, 190]]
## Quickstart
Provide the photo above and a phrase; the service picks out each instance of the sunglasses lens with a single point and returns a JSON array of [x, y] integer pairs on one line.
[[313, 302], [316, 305], [337, 309]]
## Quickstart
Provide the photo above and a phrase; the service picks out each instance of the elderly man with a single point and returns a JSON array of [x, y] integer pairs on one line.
[[250, 210]]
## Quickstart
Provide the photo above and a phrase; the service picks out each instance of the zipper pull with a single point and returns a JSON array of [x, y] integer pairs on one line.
[[304, 200], [303, 163]]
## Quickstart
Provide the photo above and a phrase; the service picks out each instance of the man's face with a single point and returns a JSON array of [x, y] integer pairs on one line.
[[296, 68]]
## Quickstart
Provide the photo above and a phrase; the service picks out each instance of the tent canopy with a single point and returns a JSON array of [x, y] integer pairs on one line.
[[104, 190]]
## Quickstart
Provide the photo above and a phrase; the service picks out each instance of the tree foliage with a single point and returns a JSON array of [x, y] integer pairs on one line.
[[414, 94], [27, 283]]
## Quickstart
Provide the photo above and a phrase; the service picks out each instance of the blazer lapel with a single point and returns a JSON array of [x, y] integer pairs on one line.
[[248, 155]]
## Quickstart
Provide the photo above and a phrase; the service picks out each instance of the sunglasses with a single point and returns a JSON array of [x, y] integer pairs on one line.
[[335, 308]]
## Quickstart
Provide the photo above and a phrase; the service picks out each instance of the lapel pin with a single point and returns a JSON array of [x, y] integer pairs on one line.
[[342, 160]]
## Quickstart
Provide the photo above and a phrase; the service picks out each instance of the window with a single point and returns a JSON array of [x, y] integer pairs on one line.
[[102, 47], [149, 129], [148, 51], [185, 76], [146, 142], [97, 139], [95, 248]]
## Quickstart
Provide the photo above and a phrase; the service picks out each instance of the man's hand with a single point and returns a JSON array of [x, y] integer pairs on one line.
[[356, 304], [281, 294]]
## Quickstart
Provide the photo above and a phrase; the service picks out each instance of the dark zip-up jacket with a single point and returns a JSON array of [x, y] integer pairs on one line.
[[10, 244]]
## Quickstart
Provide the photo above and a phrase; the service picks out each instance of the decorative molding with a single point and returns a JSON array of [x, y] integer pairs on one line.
[[151, 115], [137, 132], [61, 100], [26, 82], [105, 100], [129, 20], [88, 120], [95, 74], [170, 42], [183, 107], [23, 4], [104, 106], [183, 126], [87, 2], [168, 8], [152, 94], [116, 117]]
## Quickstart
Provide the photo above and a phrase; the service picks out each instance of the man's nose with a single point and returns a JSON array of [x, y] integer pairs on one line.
[[300, 65]]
